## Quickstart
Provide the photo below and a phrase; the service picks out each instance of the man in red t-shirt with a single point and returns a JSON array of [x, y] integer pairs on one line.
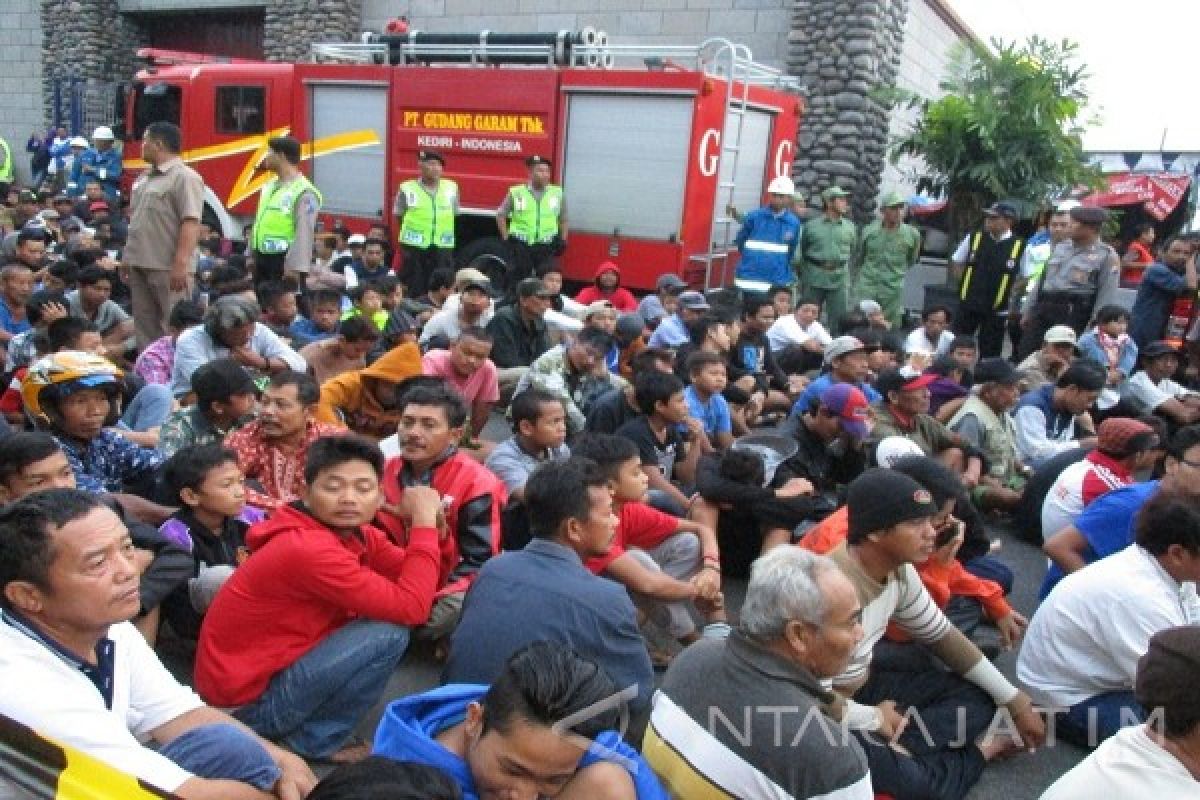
[[665, 562]]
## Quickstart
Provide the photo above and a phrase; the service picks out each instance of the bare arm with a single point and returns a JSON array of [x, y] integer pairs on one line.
[[629, 572], [1066, 549]]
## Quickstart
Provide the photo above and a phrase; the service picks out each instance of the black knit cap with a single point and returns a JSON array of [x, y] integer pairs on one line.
[[881, 498]]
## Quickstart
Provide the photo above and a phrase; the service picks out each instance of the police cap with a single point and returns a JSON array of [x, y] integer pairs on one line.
[[1089, 216], [431, 155], [533, 161]]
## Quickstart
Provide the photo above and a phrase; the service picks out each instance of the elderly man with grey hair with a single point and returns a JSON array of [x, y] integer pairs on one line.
[[749, 714], [231, 330]]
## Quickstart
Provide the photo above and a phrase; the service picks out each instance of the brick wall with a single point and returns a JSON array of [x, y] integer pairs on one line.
[[760, 24], [20, 77]]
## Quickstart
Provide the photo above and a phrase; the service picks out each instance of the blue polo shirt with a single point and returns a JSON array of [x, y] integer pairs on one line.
[[714, 413], [1107, 524]]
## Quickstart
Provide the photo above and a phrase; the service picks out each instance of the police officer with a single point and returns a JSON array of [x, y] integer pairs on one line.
[[425, 209], [282, 238], [1037, 253], [1083, 274], [767, 241], [988, 266], [887, 248], [533, 220], [7, 173], [100, 163], [826, 244]]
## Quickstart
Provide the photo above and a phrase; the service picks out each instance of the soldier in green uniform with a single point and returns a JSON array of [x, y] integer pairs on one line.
[[887, 248], [826, 244]]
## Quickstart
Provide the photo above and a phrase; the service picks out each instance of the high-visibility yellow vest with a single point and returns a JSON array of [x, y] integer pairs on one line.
[[6, 163], [428, 218], [275, 222], [535, 222]]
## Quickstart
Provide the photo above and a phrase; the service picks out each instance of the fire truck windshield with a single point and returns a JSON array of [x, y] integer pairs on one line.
[[156, 102]]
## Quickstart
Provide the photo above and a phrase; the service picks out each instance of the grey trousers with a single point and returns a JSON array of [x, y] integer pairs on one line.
[[679, 556]]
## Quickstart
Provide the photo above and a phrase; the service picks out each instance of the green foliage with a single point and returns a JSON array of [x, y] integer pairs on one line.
[[1009, 127]]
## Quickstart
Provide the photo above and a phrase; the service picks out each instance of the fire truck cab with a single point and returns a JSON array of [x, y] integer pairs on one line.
[[649, 156]]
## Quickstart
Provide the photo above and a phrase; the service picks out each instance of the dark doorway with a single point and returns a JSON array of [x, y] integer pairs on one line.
[[238, 34]]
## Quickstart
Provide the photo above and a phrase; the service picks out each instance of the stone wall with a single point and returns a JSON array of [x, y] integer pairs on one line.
[[844, 51], [760, 24], [20, 77], [291, 27]]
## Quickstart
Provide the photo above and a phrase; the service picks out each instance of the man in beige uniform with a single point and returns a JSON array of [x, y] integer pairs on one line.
[[168, 200]]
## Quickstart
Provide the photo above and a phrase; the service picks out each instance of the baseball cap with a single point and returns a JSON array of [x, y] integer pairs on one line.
[[841, 346], [597, 307], [1159, 348], [630, 326], [834, 191], [996, 370], [893, 448], [532, 287], [1122, 436], [1166, 674], [894, 380], [478, 281], [357, 238], [694, 301], [881, 498], [1001, 210], [220, 379], [669, 282], [851, 406], [1060, 334]]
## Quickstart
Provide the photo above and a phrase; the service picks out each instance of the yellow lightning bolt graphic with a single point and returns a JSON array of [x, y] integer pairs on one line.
[[250, 181]]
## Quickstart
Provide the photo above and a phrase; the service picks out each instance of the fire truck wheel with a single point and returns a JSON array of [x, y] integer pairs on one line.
[[490, 256]]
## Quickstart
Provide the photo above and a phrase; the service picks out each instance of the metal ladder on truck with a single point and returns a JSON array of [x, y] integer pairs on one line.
[[735, 64]]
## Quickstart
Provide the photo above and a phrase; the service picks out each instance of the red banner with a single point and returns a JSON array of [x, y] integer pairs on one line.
[[1159, 193]]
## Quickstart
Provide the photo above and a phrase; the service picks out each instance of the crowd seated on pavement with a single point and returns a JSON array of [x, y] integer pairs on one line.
[[297, 488]]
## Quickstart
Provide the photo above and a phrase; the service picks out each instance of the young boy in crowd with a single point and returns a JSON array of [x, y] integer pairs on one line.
[[211, 523], [277, 299], [368, 304], [704, 399], [155, 363], [665, 562], [322, 609], [324, 310], [665, 457], [345, 351]]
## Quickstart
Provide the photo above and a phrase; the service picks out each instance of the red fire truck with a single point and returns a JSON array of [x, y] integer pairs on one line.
[[649, 156]]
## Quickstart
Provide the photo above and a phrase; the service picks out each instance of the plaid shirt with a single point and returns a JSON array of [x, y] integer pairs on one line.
[[107, 462], [155, 362]]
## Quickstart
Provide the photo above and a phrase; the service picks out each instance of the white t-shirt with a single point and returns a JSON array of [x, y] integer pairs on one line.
[[1069, 496], [54, 698], [1128, 764], [1088, 634], [786, 331], [918, 342], [1146, 395]]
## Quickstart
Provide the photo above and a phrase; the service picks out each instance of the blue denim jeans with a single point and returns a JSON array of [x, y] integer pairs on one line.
[[313, 706], [148, 409], [1091, 722], [223, 752]]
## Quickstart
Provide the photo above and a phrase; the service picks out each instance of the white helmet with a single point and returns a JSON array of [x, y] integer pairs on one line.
[[103, 133], [782, 185], [894, 448]]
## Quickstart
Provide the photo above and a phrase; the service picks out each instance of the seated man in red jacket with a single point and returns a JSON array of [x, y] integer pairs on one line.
[[431, 425], [305, 634]]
